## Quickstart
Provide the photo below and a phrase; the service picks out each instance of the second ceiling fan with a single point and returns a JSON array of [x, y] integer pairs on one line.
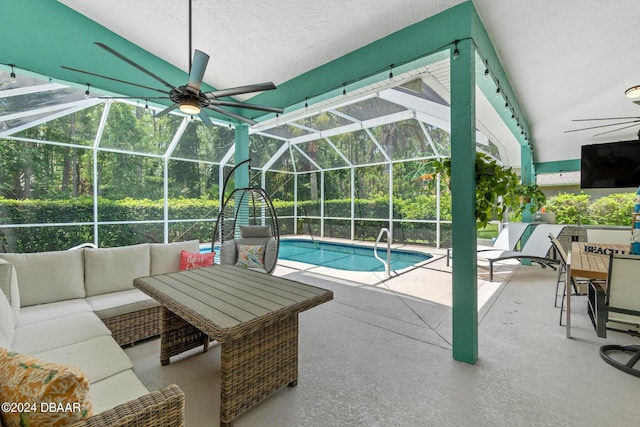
[[622, 123], [189, 98]]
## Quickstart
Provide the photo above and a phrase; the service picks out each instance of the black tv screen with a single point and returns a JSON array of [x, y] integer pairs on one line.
[[610, 165]]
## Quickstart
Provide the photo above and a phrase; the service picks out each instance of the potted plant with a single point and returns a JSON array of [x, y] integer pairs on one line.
[[498, 188]]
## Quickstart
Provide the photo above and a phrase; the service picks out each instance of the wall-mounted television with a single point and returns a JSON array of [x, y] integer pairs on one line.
[[610, 165]]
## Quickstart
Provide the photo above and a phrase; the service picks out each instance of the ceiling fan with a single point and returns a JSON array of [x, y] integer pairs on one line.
[[628, 121], [189, 98]]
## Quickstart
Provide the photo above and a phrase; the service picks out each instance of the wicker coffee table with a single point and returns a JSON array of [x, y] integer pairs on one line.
[[254, 316]]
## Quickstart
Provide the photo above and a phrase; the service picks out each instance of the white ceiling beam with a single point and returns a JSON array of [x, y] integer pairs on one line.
[[31, 89]]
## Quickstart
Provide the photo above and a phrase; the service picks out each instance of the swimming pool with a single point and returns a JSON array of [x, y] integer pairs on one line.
[[341, 256], [346, 257]]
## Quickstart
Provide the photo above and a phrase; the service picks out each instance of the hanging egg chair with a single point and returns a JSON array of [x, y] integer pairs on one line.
[[246, 230]]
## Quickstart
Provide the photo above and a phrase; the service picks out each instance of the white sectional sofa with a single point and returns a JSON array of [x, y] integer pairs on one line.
[[77, 307]]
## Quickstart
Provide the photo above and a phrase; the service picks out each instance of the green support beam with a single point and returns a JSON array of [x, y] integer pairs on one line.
[[463, 195], [242, 154], [559, 166]]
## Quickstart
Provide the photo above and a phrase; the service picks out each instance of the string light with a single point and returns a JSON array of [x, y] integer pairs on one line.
[[12, 76], [391, 72], [344, 89], [456, 52], [486, 69], [87, 94]]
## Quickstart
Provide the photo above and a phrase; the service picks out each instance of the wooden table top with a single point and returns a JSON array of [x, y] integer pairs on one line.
[[591, 260], [222, 299]]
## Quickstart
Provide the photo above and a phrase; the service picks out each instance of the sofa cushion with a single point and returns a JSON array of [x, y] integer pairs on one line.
[[48, 276], [7, 322], [4, 344], [190, 260], [255, 231], [9, 285], [42, 312], [113, 269], [98, 358], [26, 379], [228, 252], [115, 390], [59, 332], [250, 256], [113, 300], [165, 257]]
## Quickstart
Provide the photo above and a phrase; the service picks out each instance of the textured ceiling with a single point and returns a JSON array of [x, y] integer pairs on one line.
[[565, 60]]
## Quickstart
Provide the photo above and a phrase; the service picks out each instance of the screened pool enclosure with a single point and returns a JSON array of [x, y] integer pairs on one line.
[[78, 165]]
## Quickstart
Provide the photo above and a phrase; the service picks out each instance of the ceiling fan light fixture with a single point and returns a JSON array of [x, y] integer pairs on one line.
[[190, 106], [633, 92]]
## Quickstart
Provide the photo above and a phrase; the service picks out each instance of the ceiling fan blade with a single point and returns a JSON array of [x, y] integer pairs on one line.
[[604, 126], [205, 119], [114, 79], [133, 97], [606, 118], [167, 110], [248, 106], [259, 87], [232, 115], [130, 62], [199, 65], [616, 130]]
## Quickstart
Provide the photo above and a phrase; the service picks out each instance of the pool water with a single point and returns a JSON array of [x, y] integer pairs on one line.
[[340, 256], [346, 257]]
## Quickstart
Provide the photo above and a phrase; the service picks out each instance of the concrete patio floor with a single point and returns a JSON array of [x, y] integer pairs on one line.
[[380, 354]]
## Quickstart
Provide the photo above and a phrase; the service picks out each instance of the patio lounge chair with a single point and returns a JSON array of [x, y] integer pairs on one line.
[[535, 249], [618, 309], [507, 239]]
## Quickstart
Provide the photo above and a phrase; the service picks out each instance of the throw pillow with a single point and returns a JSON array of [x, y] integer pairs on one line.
[[250, 256], [190, 260], [41, 393]]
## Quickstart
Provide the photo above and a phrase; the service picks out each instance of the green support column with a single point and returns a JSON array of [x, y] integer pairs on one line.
[[528, 175], [242, 154], [242, 173], [463, 195]]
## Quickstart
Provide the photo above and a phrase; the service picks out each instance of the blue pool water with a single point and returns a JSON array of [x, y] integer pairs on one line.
[[342, 256], [346, 257]]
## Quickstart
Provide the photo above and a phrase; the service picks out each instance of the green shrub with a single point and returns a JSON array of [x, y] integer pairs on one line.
[[614, 209], [570, 208]]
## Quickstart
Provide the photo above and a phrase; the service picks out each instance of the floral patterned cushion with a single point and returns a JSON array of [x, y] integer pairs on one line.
[[41, 393], [250, 256], [189, 260]]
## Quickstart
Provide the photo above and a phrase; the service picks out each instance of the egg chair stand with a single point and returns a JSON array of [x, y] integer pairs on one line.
[[246, 217]]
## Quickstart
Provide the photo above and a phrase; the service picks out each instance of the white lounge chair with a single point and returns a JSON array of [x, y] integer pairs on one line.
[[507, 239], [535, 249]]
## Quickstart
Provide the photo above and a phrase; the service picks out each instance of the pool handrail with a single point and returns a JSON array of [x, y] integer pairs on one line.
[[387, 263]]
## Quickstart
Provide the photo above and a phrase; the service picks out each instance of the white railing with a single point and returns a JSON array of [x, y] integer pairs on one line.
[[387, 263]]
